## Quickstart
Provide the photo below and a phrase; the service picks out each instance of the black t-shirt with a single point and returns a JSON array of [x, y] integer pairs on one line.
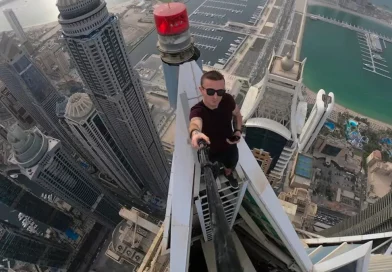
[[217, 123]]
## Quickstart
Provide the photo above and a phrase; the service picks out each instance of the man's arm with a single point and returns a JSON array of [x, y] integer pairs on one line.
[[237, 118], [195, 125]]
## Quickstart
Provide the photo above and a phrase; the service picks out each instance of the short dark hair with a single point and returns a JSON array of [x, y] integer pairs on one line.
[[211, 75]]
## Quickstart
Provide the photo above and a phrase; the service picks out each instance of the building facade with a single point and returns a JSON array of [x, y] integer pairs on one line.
[[23, 246], [21, 200], [96, 46], [15, 25], [15, 108], [32, 89], [274, 112], [263, 158], [374, 219], [18, 29], [321, 110], [88, 127], [43, 160]]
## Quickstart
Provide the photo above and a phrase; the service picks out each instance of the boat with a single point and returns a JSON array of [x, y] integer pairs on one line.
[[228, 54], [221, 61], [237, 41], [313, 17], [369, 65], [233, 45], [240, 38], [378, 57]]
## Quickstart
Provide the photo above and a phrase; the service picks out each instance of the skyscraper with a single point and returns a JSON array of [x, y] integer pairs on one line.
[[18, 29], [32, 89], [15, 25], [88, 127], [274, 113], [61, 105], [43, 160], [21, 200], [96, 46], [322, 108], [15, 108], [23, 246]]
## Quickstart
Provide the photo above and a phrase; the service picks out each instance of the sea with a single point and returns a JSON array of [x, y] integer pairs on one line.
[[334, 64]]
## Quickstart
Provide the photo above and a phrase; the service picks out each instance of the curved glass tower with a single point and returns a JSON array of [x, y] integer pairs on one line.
[[96, 46]]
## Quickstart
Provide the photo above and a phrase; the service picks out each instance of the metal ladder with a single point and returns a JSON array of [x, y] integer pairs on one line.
[[231, 201], [217, 208]]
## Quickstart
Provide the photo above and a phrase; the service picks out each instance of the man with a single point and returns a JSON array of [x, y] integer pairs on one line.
[[211, 120]]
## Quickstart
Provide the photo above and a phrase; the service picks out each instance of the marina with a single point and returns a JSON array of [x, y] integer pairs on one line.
[[342, 71], [217, 41], [246, 12], [370, 51], [351, 26]]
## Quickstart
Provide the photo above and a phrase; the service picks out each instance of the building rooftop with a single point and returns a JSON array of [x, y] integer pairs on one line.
[[150, 71], [286, 67], [377, 154], [304, 166], [348, 194], [79, 105]]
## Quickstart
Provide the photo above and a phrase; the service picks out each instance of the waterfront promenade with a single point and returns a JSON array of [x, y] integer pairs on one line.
[[374, 124]]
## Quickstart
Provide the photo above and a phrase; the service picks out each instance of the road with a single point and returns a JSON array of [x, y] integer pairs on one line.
[[273, 43], [328, 217]]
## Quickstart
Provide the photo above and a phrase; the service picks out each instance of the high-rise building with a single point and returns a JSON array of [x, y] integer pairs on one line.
[[15, 108], [322, 108], [43, 160], [19, 199], [274, 112], [15, 24], [32, 89], [96, 46], [374, 219], [61, 105], [23, 246], [87, 126], [18, 29]]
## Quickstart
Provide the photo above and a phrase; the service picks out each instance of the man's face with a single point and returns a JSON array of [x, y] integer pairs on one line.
[[212, 100]]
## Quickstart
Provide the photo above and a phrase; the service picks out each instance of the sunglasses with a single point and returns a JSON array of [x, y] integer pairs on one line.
[[212, 92]]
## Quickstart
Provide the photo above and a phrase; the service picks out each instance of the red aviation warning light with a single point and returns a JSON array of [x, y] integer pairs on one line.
[[171, 19]]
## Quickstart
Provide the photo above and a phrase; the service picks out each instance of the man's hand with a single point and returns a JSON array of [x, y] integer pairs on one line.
[[196, 137], [237, 133]]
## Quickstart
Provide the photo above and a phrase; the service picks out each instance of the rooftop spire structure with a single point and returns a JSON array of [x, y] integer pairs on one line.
[[43, 160], [96, 46], [175, 44]]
